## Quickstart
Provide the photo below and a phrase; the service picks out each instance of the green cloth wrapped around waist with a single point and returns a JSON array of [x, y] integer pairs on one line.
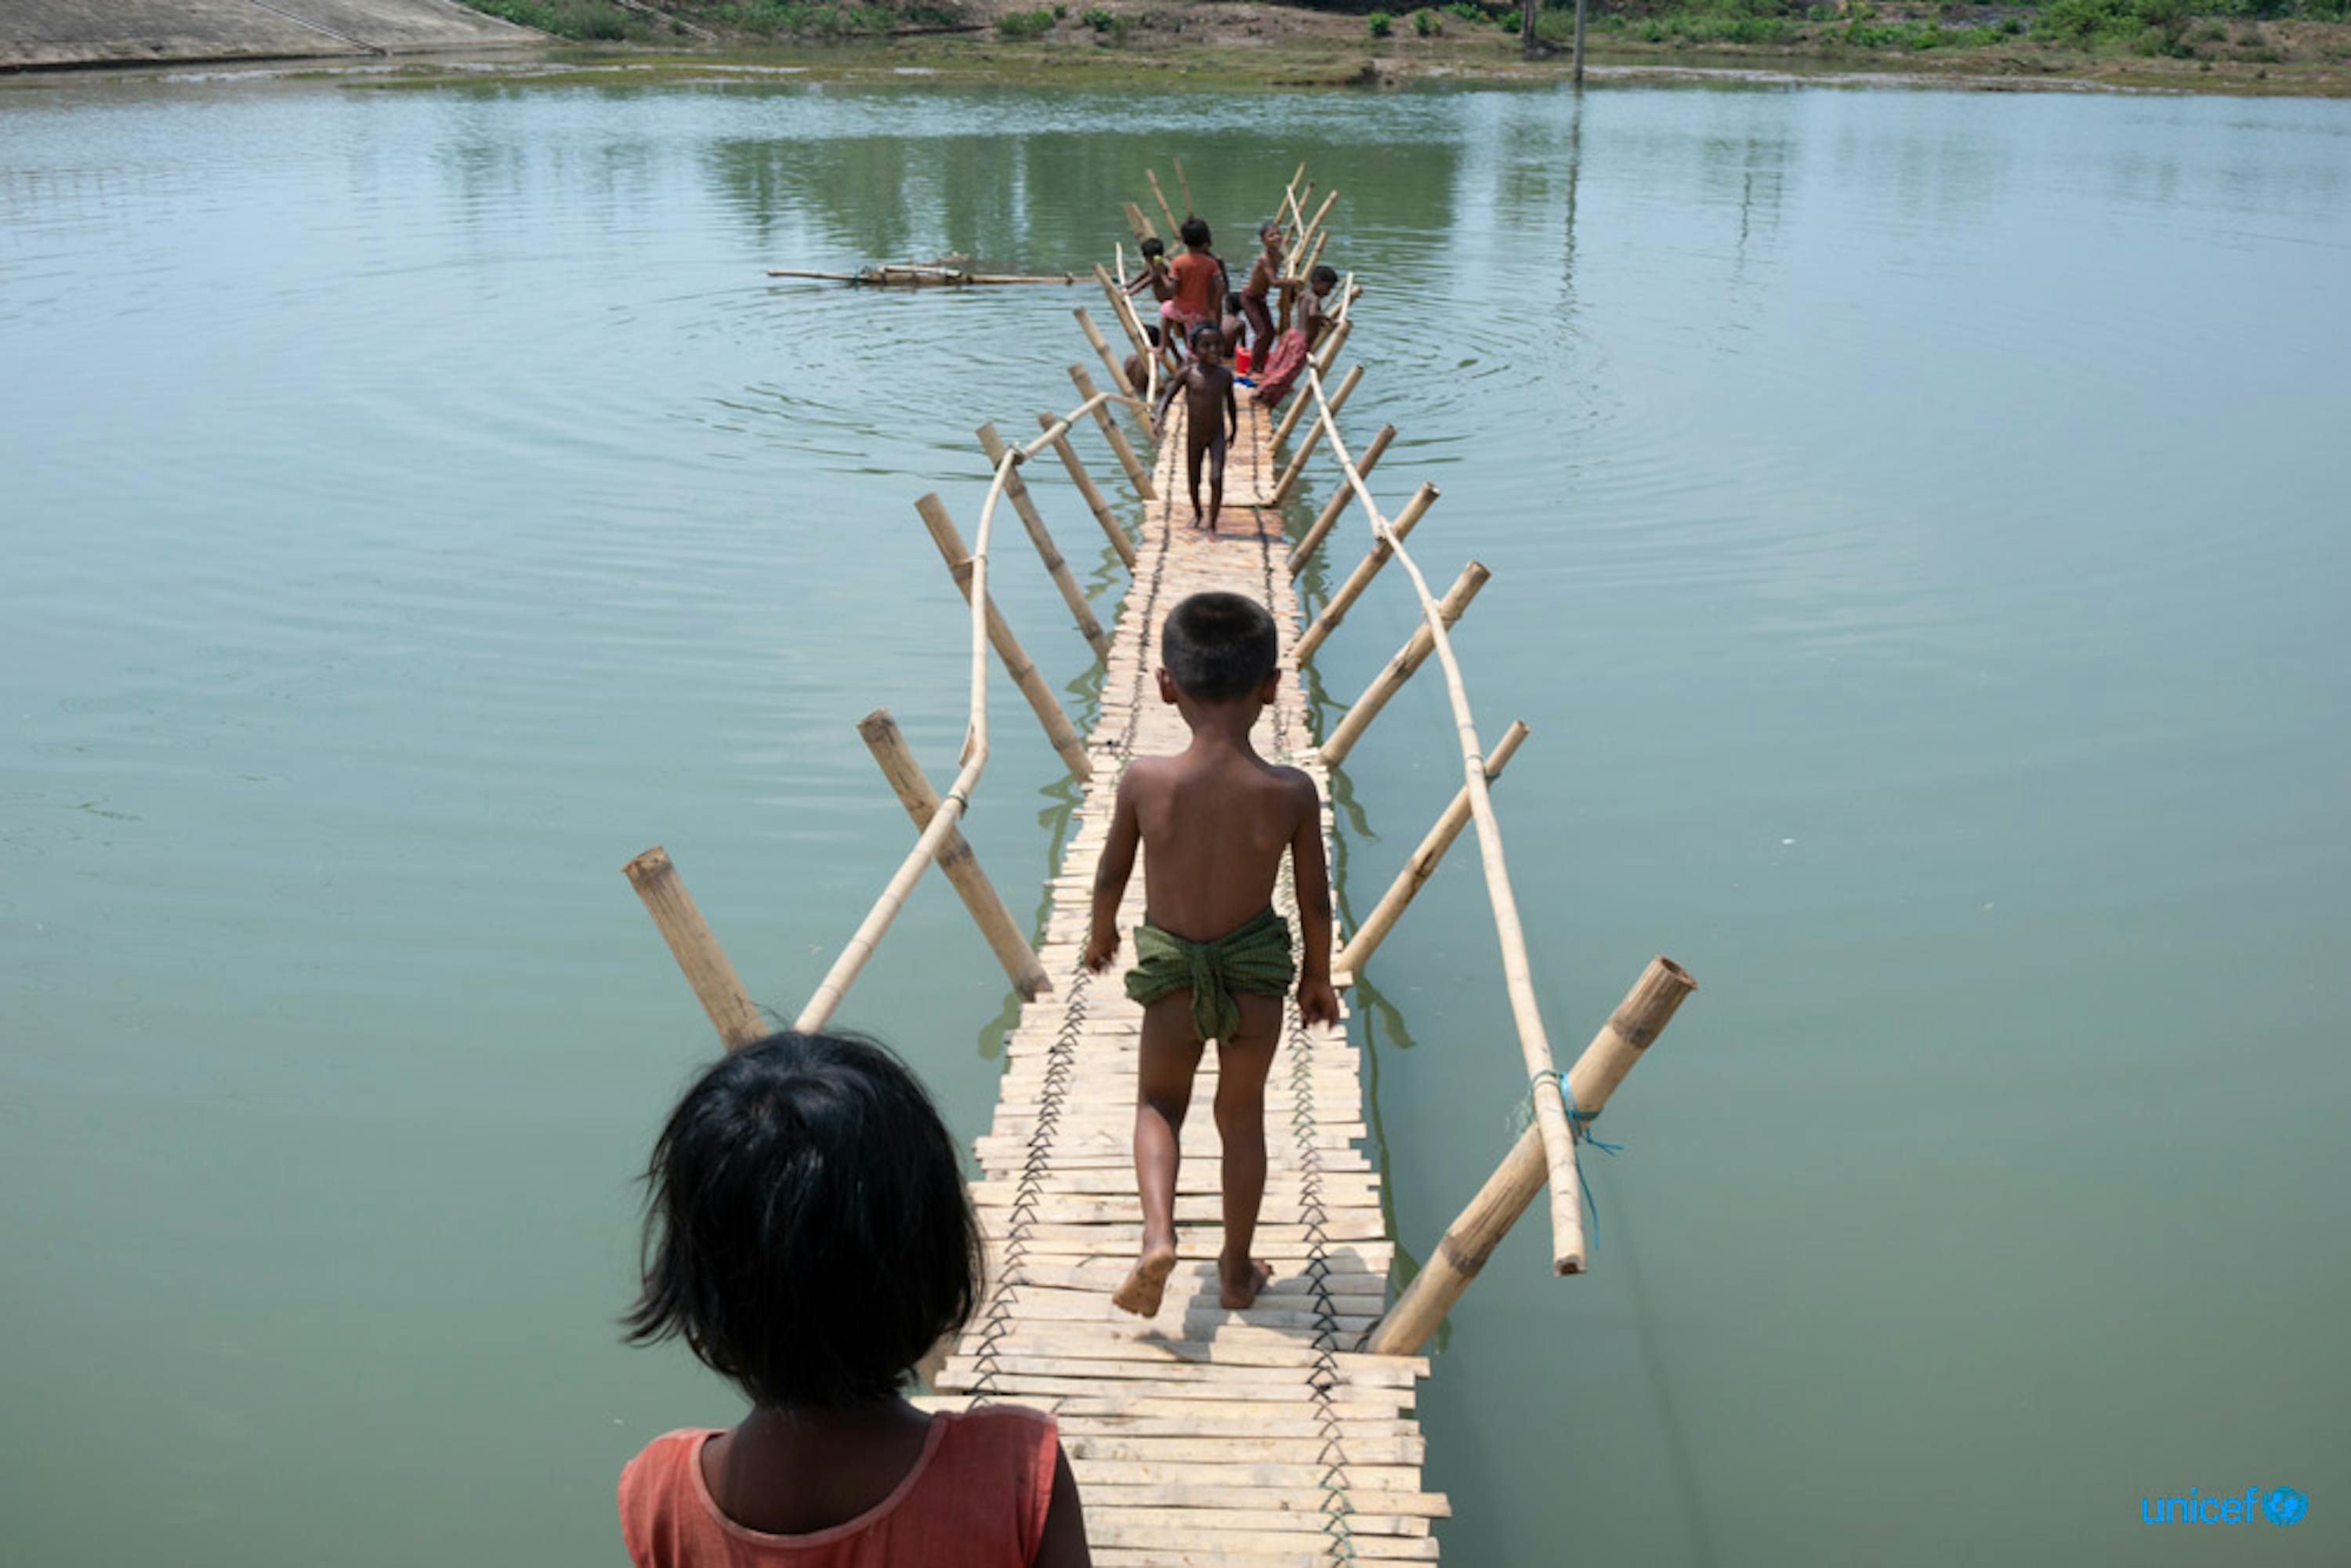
[[1253, 956]]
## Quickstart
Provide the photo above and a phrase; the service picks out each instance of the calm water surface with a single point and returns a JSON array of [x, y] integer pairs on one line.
[[1917, 524]]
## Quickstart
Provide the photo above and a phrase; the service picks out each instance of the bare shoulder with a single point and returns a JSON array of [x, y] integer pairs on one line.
[[1145, 777], [1298, 788]]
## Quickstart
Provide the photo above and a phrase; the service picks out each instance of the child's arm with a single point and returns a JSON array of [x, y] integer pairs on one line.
[[1159, 416], [1062, 1542], [1317, 1002], [1110, 876], [1232, 414]]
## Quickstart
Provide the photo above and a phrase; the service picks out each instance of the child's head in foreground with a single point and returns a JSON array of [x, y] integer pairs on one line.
[[1207, 343], [1325, 278], [1219, 648], [1153, 248], [1270, 232], [807, 1231], [1195, 233]]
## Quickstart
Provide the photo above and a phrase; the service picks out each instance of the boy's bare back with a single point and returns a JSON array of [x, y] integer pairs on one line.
[[1214, 826]]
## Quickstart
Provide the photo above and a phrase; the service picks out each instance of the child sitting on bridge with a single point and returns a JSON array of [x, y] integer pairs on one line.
[[1212, 416], [809, 1239], [1212, 958]]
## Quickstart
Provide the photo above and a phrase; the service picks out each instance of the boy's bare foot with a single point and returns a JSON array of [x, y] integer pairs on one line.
[[1237, 1294], [1146, 1284]]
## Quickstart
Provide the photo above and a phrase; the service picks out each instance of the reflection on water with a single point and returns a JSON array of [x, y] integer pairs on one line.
[[1916, 521]]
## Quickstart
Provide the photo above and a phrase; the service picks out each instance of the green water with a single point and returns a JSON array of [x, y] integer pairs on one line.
[[1917, 524]]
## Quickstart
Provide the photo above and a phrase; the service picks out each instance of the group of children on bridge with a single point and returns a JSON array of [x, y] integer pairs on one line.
[[808, 1235], [1204, 324]]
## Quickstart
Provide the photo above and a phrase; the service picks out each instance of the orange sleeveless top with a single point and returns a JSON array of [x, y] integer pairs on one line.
[[975, 1499], [1196, 275]]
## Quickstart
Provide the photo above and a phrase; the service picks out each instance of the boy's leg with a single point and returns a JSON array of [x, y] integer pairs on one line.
[[1242, 1063], [1163, 1092], [1194, 447], [1216, 480]]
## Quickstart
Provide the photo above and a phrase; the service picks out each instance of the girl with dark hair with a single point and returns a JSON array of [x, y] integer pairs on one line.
[[807, 1236]]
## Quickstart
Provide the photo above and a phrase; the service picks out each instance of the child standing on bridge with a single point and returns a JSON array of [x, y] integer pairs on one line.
[[1212, 416], [1213, 960]]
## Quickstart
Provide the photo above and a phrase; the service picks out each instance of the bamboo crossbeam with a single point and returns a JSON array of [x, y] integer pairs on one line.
[[1136, 408], [1472, 1236], [1423, 864], [956, 862], [1510, 932], [1058, 426], [1136, 473], [1315, 224], [1016, 492], [1341, 499], [1165, 210], [699, 956], [1123, 308], [1017, 663], [1402, 668], [1289, 480], [1096, 502], [973, 579], [1298, 211], [1378, 555]]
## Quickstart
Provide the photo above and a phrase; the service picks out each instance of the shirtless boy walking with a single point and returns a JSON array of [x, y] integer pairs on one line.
[[1214, 821], [1212, 416]]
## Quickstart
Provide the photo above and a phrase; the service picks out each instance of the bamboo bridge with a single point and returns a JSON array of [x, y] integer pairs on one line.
[[1283, 1433]]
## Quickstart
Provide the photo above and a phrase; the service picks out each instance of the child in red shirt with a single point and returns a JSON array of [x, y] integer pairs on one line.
[[810, 1238]]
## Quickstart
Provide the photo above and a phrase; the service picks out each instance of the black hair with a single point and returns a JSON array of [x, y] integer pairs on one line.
[[1152, 333], [1326, 273], [1207, 330], [1219, 646], [1155, 245], [806, 1228], [1273, 224], [1194, 231], [1233, 303]]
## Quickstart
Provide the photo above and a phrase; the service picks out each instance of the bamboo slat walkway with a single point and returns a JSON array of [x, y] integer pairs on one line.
[[1205, 1436]]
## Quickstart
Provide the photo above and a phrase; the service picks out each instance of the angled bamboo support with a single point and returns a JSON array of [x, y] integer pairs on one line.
[[1289, 480], [1567, 1241], [1402, 668], [1423, 864], [1136, 473], [1096, 502], [1160, 197], [1136, 410], [713, 981], [1138, 223], [1472, 1236], [1122, 308], [1378, 555], [1332, 345], [1008, 647], [956, 862], [1016, 492], [1315, 224], [1341, 499], [1185, 185]]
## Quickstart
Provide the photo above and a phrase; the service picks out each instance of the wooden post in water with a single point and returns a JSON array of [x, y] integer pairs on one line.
[[1160, 197], [732, 1012], [1185, 186], [961, 868], [1136, 473], [1095, 502], [1579, 43], [1135, 410], [1056, 567], [1008, 647], [1138, 223], [1361, 578], [1135, 335], [1289, 480], [1402, 668], [1423, 864], [1472, 1236], [1336, 506]]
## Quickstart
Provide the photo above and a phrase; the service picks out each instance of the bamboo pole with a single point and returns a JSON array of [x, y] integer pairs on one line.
[[1016, 492], [1095, 501], [1318, 362], [1509, 933], [1142, 414], [956, 862], [1402, 668], [1335, 611], [1367, 937], [1165, 210], [1017, 663], [1341, 499], [713, 981], [1314, 224], [1136, 473], [1307, 263], [1185, 186], [1298, 211], [1472, 1236], [971, 575], [1289, 480], [1579, 43], [1139, 224]]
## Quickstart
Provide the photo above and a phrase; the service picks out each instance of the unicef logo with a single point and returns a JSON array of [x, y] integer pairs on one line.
[[2284, 1505], [2280, 1506]]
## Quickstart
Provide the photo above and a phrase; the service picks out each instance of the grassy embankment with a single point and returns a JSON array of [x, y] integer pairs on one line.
[[2247, 45]]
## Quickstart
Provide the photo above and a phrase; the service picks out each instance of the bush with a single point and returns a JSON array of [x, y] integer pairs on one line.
[[2085, 21], [1020, 26], [1100, 20], [1382, 24], [1426, 23]]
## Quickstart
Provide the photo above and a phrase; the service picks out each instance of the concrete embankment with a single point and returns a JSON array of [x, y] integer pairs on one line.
[[35, 33]]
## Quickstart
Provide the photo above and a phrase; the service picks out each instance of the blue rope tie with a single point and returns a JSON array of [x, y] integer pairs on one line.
[[1579, 1126]]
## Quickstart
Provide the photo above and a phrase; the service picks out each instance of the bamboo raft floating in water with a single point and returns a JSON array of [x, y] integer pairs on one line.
[[1283, 1433], [916, 275]]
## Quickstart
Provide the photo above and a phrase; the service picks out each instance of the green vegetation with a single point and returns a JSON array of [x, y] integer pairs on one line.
[[1020, 26], [1382, 24], [596, 21], [2089, 27], [1426, 23]]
